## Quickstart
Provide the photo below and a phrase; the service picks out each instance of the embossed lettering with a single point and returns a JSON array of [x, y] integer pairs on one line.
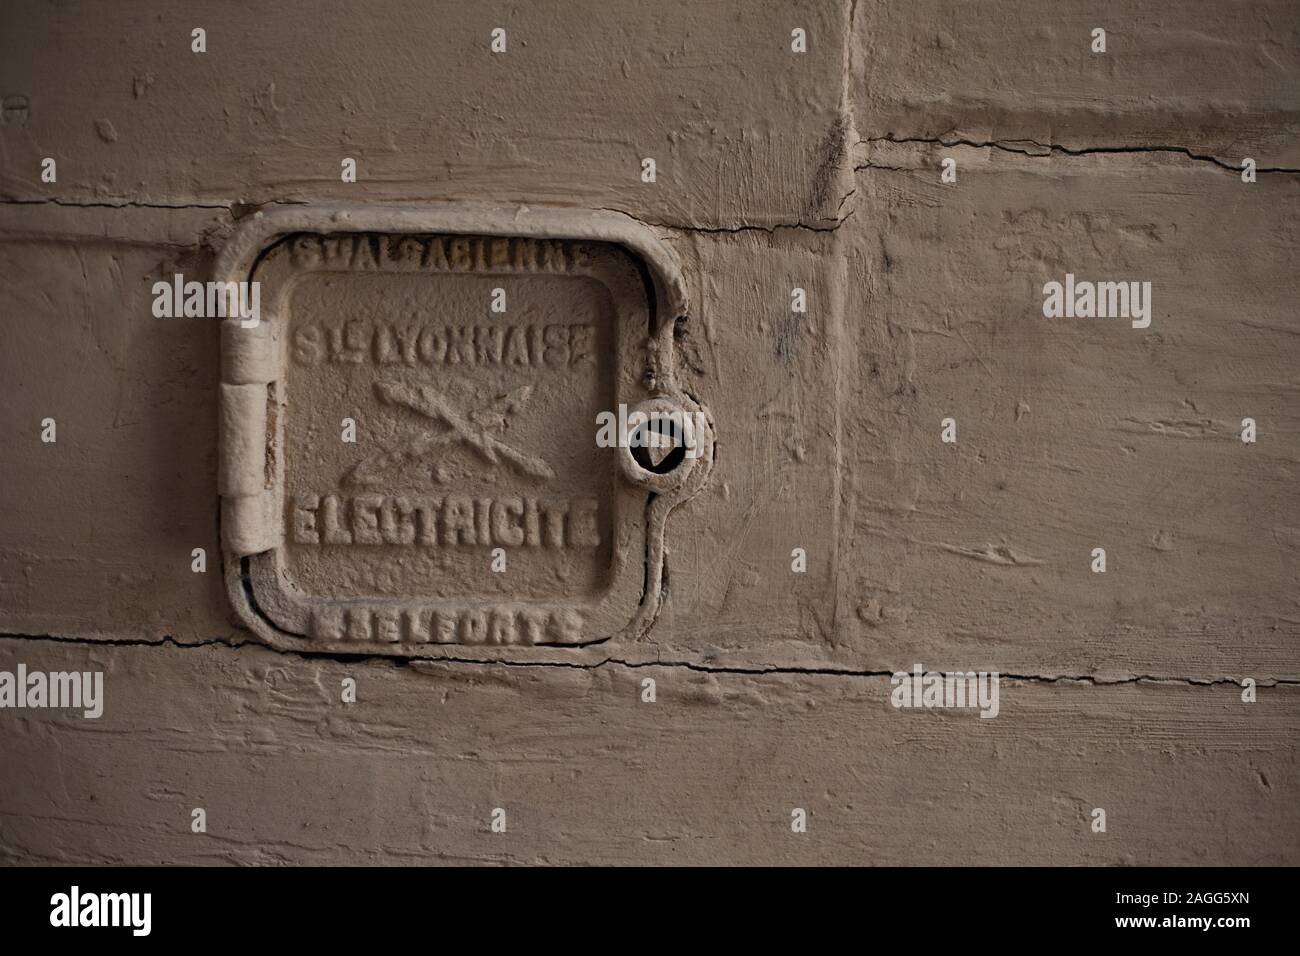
[[511, 522]]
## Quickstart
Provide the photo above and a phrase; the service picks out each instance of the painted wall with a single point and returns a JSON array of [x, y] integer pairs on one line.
[[775, 169]]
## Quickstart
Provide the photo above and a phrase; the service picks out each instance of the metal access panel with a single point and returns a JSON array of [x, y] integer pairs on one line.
[[410, 450]]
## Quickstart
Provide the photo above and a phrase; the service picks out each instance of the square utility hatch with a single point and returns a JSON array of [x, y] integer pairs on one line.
[[409, 434]]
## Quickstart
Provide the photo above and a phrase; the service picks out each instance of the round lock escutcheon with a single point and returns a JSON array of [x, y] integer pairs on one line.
[[660, 442]]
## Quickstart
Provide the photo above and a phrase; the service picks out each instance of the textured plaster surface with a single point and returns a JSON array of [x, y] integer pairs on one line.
[[1119, 690]]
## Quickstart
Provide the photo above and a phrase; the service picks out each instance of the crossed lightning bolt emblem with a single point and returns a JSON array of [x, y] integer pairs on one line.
[[475, 432]]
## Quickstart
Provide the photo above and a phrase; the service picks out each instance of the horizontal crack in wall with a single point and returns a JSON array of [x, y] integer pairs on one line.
[[239, 209], [1027, 147], [829, 226], [812, 671], [236, 208]]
